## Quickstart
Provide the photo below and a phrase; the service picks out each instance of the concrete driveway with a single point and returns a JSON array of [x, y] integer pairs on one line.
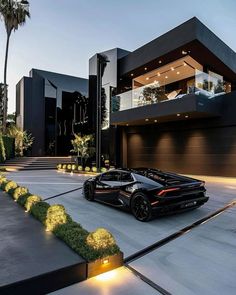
[[179, 266]]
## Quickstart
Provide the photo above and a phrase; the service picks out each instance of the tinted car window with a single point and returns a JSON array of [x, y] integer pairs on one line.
[[110, 176], [126, 177]]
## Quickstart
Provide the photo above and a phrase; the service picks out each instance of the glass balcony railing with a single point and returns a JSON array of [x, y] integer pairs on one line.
[[206, 85]]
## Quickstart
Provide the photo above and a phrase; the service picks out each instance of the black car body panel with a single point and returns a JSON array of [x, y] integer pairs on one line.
[[165, 192]]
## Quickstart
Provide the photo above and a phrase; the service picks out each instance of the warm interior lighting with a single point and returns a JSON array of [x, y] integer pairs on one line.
[[172, 69], [184, 52], [147, 78], [177, 73], [160, 61], [131, 75], [178, 115], [155, 121], [186, 116], [145, 69], [166, 77], [158, 74], [147, 120], [127, 124]]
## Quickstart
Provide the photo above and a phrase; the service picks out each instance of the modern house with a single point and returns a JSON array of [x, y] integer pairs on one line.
[[170, 104], [52, 107]]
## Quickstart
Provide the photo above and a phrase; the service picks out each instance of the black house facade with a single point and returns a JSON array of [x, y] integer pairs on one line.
[[170, 104]]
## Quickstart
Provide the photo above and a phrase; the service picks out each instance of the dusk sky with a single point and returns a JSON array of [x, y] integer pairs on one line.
[[63, 34]]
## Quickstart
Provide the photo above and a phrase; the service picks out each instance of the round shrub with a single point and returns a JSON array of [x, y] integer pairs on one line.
[[56, 214], [9, 185], [59, 166], [80, 168], [39, 211], [22, 199], [19, 191], [64, 166], [100, 239], [103, 169], [73, 167], [31, 201], [69, 166], [87, 169], [94, 169]]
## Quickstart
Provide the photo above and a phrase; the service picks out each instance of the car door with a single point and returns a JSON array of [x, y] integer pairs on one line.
[[108, 187], [126, 186]]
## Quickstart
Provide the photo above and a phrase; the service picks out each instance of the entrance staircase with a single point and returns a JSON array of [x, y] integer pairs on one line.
[[34, 163]]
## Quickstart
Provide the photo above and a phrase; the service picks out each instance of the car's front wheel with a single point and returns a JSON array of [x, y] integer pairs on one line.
[[141, 207], [88, 190]]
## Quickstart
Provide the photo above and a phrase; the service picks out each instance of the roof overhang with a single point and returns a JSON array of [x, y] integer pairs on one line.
[[191, 37]]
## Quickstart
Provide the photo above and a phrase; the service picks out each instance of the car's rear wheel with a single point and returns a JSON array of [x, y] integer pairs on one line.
[[89, 191], [141, 207]]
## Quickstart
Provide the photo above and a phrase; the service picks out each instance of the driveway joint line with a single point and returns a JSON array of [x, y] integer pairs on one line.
[[62, 194], [177, 234]]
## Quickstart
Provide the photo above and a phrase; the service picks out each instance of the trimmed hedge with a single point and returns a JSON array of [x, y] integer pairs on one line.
[[9, 144], [90, 246]]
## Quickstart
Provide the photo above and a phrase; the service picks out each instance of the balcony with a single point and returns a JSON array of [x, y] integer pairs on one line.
[[160, 100]]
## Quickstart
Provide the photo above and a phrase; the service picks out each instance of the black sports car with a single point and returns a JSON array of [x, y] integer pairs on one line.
[[146, 192]]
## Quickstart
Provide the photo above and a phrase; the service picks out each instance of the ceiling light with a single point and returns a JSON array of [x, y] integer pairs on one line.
[[147, 120], [186, 116], [177, 73], [166, 77], [184, 52], [184, 63], [160, 61], [155, 121], [145, 69], [127, 124], [131, 75], [158, 74], [172, 69], [178, 115], [147, 78]]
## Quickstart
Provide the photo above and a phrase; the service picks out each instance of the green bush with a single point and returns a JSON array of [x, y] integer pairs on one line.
[[103, 169], [87, 169], [9, 144], [73, 167], [64, 166], [39, 211], [59, 166], [23, 199], [2, 179], [69, 166], [2, 151], [80, 168], [19, 191], [56, 215], [94, 169], [8, 185], [31, 201]]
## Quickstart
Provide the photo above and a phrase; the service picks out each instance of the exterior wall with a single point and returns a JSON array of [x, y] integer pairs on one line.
[[203, 146], [31, 99]]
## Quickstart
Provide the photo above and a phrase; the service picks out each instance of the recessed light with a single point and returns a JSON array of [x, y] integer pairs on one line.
[[177, 73], [166, 77], [160, 61], [155, 121], [172, 69], [145, 69], [184, 52], [131, 75], [186, 116], [184, 63], [158, 74], [178, 115], [147, 78], [127, 124], [147, 120]]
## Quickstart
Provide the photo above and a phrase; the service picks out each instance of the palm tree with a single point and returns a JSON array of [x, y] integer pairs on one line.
[[14, 14]]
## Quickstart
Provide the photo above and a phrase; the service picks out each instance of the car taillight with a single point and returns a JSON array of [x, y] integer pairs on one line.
[[164, 191]]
